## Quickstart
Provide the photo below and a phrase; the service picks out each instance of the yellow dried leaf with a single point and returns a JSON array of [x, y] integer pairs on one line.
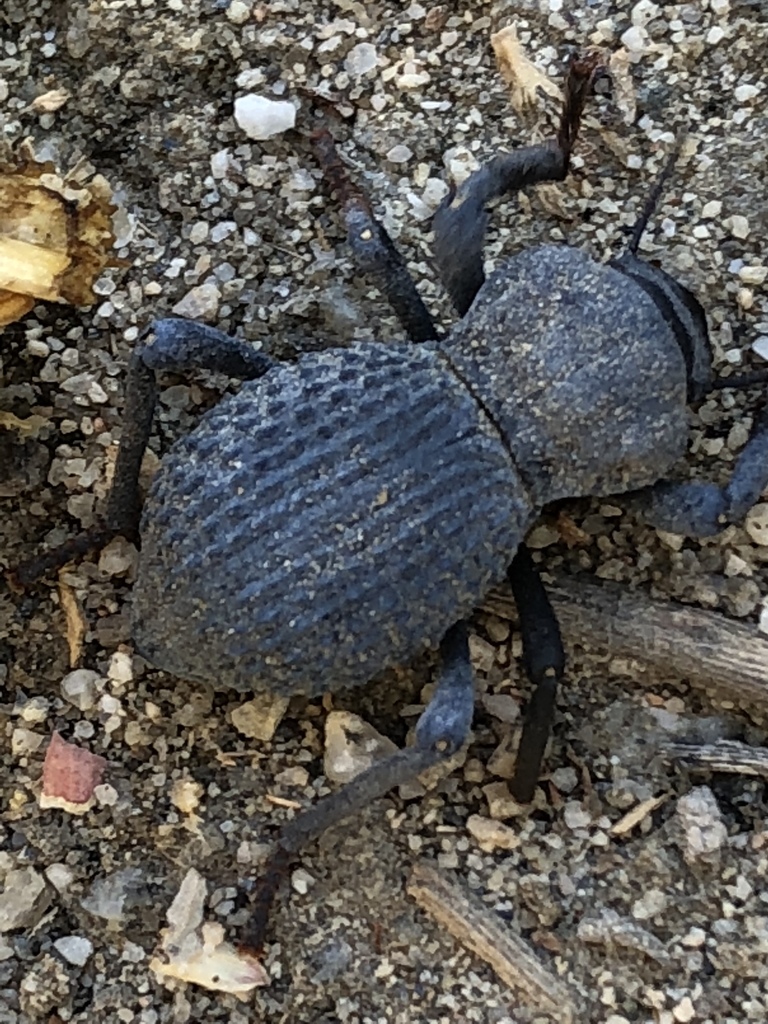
[[55, 235], [29, 427]]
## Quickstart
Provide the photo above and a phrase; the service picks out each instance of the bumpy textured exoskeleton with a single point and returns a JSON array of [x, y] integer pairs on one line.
[[340, 515]]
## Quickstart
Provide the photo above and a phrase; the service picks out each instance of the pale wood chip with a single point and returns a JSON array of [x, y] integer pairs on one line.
[[195, 951], [637, 814], [623, 87], [76, 624], [480, 931], [706, 649], [282, 801], [610, 929]]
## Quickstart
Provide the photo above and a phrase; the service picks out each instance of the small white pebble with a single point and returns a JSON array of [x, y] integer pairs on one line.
[[38, 348], [198, 232], [120, 667], [220, 163], [261, 118], [106, 795], [399, 154], [684, 1011], [575, 816], [643, 12], [360, 60], [745, 93], [60, 876], [301, 880], [74, 948], [24, 742], [109, 705], [238, 12], [200, 303], [760, 346], [715, 35], [635, 39], [753, 275], [694, 938], [712, 209], [756, 524], [737, 225], [80, 688]]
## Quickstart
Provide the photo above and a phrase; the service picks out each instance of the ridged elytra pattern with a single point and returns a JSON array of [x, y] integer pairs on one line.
[[331, 520]]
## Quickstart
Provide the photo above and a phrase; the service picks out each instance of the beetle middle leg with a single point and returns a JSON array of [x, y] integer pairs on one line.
[[700, 509], [441, 730]]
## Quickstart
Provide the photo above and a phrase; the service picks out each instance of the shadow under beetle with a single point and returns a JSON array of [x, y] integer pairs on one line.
[[342, 514]]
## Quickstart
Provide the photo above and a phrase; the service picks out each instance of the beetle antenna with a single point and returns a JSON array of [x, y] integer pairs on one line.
[[653, 199]]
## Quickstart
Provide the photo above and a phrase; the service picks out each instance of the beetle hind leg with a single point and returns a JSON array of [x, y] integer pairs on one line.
[[544, 661], [442, 729]]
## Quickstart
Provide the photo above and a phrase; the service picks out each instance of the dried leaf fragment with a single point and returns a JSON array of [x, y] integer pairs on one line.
[[70, 775], [55, 234], [51, 101], [194, 951], [521, 75]]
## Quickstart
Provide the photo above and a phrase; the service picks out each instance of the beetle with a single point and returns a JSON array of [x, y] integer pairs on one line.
[[341, 514]]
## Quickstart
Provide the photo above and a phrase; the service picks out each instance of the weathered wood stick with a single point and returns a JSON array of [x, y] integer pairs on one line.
[[723, 756], [480, 930], [704, 648]]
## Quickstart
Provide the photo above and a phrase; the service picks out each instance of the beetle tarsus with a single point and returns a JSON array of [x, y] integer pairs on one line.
[[544, 660]]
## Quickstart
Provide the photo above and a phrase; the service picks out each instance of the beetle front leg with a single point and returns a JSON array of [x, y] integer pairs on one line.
[[460, 223], [544, 660], [178, 346], [442, 729], [374, 252]]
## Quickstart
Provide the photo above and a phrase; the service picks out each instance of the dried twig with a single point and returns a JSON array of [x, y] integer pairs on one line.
[[482, 932], [723, 756], [705, 648]]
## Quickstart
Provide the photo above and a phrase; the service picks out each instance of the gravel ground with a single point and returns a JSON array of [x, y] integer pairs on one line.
[[665, 923]]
